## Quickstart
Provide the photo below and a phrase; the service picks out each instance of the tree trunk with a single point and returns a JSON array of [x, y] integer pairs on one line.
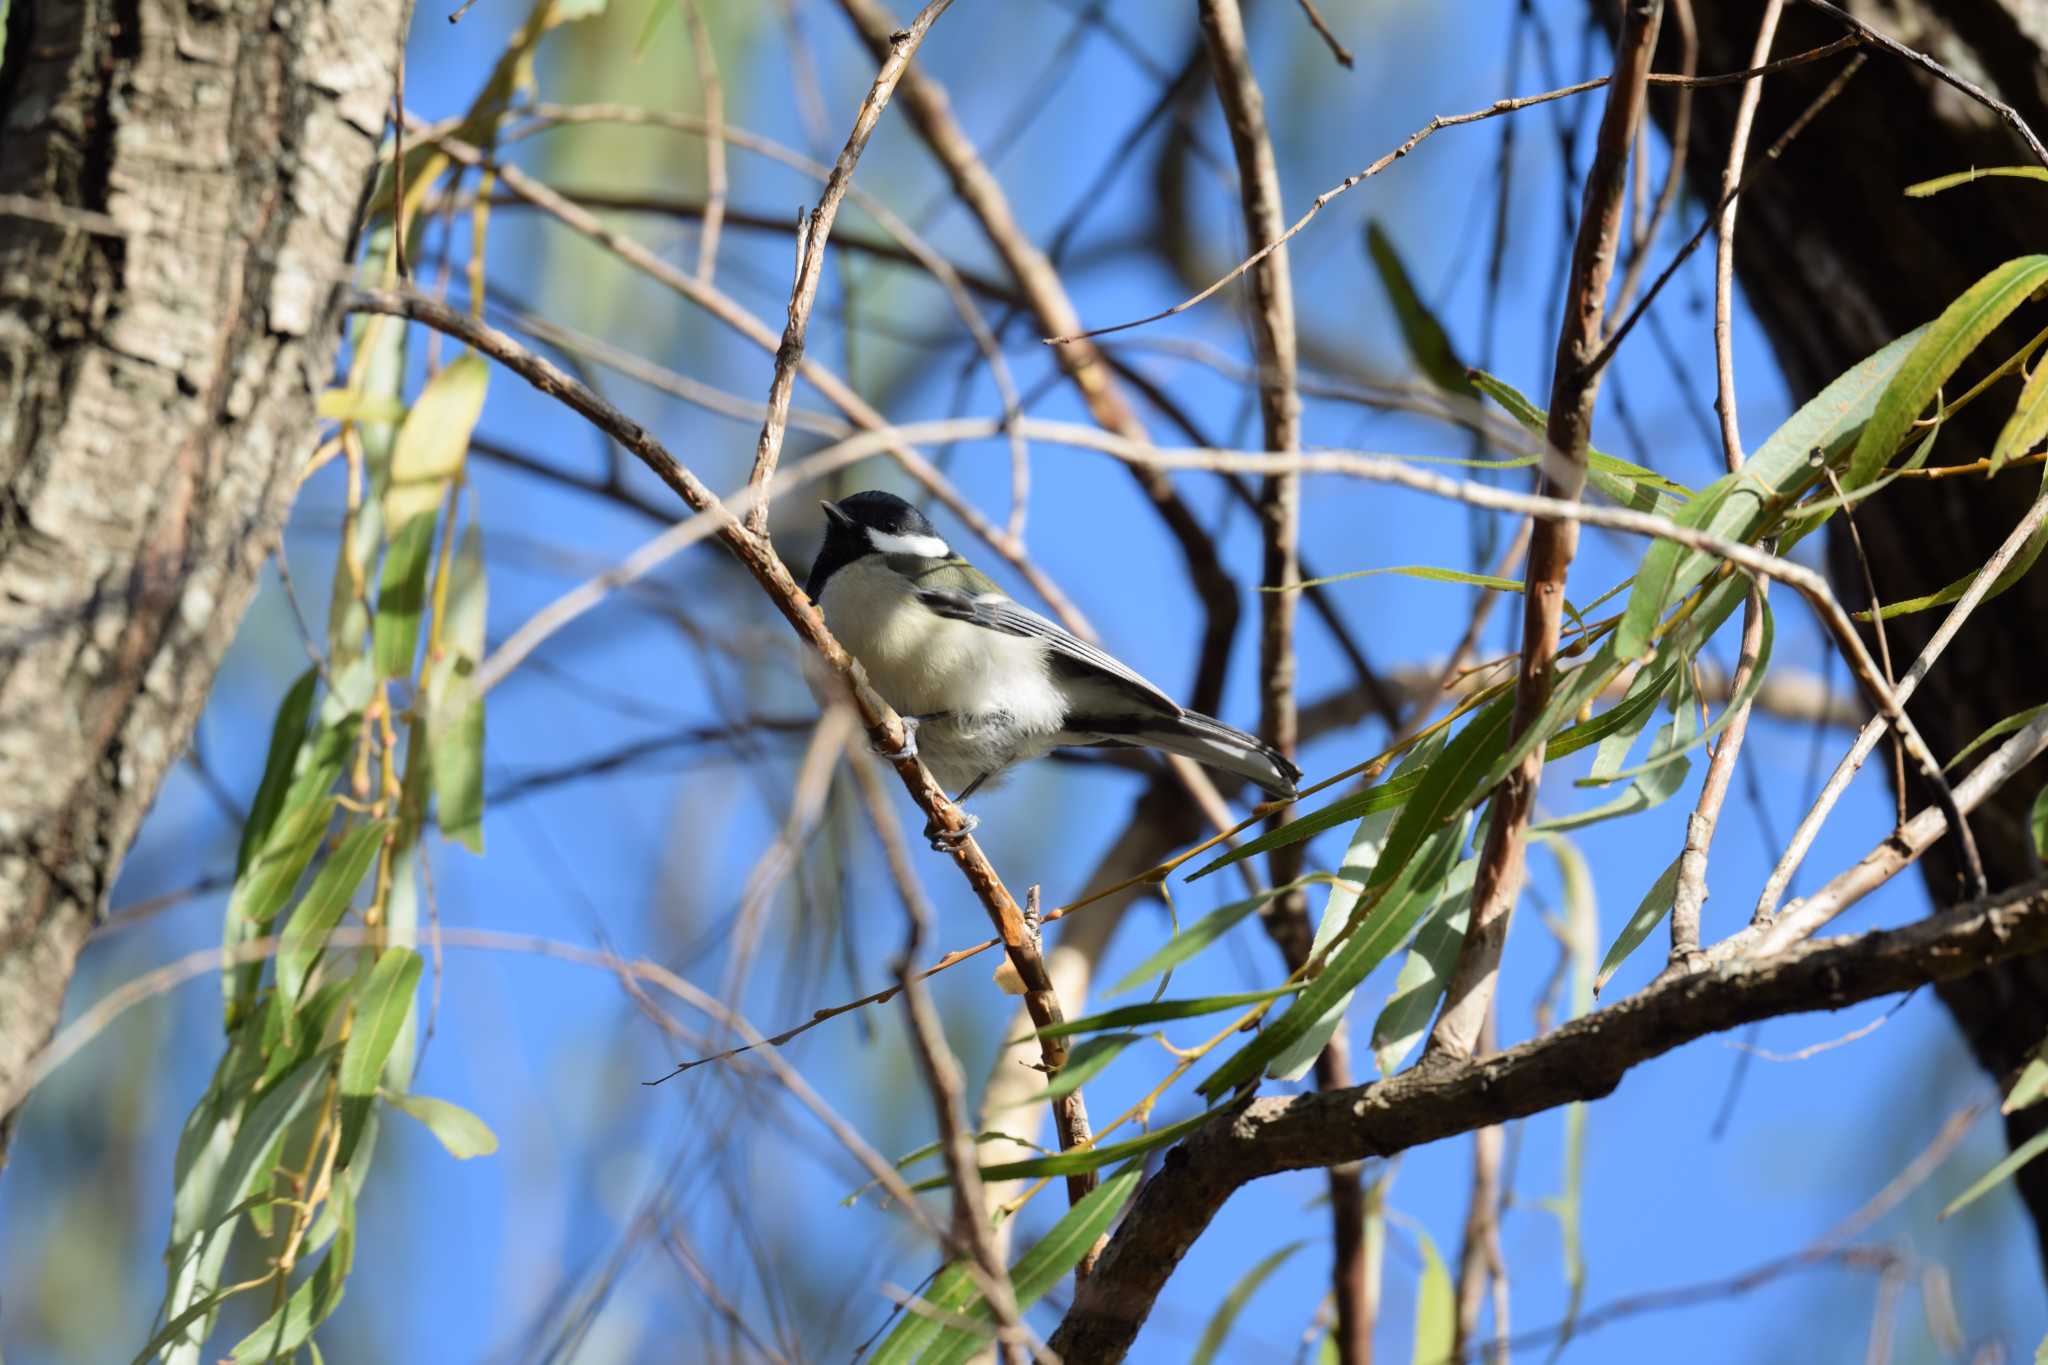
[[1836, 261], [179, 181]]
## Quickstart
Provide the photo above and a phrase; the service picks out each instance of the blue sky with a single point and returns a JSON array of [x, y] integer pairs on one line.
[[502, 1258]]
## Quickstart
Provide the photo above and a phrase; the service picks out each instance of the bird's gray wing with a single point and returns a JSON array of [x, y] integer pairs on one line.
[[995, 611]]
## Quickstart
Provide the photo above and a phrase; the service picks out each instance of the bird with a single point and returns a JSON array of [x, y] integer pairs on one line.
[[984, 683]]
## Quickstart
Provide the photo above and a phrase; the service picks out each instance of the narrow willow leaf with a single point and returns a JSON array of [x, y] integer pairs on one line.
[[1385, 796], [1161, 1011], [1084, 1063], [1571, 694], [2028, 423], [1924, 188], [1225, 1316], [1656, 904], [277, 867], [311, 1304], [2022, 564], [1087, 1159], [1436, 1308], [1428, 572], [1388, 920], [325, 901], [1683, 651], [2030, 1087], [1405, 1017], [1996, 730], [1449, 785], [434, 438], [1661, 775], [1630, 485], [300, 1026], [1197, 936], [1946, 343], [461, 1132], [382, 1006], [455, 725], [401, 596], [287, 734], [950, 1291], [1773, 476], [1999, 1174], [1429, 345], [1361, 863], [2037, 821], [1031, 1278], [1640, 703]]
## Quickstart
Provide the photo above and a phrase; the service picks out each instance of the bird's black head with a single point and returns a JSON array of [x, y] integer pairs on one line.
[[871, 523]]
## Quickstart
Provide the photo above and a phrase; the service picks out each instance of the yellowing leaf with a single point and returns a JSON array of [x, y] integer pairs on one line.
[[434, 439]]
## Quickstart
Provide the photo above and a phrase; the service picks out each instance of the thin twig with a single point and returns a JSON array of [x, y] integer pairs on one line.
[[883, 726], [1315, 21], [1873, 730], [1884, 647], [1644, 229], [1575, 383], [903, 44], [706, 57], [1939, 72], [1416, 139]]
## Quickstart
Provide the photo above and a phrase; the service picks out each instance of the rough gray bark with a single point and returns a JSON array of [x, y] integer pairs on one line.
[[1836, 262], [178, 184]]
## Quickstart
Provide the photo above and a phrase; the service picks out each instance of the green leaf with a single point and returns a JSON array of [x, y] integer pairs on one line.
[[1406, 1015], [2022, 564], [1996, 730], [2037, 821], [316, 1298], [1197, 936], [1087, 1159], [2031, 1086], [1630, 485], [262, 892], [1387, 923], [2028, 423], [401, 596], [1436, 1308], [433, 440], [1999, 1174], [455, 729], [917, 1337], [1738, 506], [1658, 779], [1946, 182], [1429, 345], [1225, 1317], [1941, 350], [1084, 1063], [1423, 571], [1640, 702], [1160, 1011], [1656, 904], [461, 1132], [382, 1005], [1385, 796], [305, 934], [287, 733]]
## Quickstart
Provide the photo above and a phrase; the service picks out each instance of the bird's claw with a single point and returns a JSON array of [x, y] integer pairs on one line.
[[945, 840], [908, 749]]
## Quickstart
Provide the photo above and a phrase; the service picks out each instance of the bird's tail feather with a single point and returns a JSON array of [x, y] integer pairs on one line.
[[1211, 742]]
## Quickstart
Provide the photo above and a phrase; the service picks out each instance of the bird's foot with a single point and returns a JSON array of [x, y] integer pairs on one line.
[[908, 749], [945, 840]]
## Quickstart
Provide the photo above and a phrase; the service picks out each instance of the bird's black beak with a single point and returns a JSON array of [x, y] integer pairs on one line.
[[834, 516]]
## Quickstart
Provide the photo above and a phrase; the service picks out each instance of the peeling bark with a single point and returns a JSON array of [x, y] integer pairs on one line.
[[178, 188]]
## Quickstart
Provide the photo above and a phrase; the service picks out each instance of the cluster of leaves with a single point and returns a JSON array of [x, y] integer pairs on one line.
[[323, 1030], [1406, 876]]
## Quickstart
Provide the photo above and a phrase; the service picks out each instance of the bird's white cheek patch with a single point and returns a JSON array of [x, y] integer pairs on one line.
[[925, 547]]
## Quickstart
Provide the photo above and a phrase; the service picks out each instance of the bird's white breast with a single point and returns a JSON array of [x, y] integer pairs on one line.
[[923, 663]]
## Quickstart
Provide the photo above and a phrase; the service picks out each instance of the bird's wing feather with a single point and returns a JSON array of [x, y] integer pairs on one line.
[[994, 611]]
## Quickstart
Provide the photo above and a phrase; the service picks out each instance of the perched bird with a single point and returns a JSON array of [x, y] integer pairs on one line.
[[983, 682]]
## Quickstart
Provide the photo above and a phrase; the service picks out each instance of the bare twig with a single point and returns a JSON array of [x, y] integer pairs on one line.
[[903, 44], [715, 187], [1582, 1060], [1939, 72], [883, 726], [1575, 383], [1644, 228], [1416, 139], [1316, 22], [1866, 740]]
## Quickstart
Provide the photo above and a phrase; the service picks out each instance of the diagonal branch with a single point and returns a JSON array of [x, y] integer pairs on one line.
[[1583, 1060], [1575, 383]]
